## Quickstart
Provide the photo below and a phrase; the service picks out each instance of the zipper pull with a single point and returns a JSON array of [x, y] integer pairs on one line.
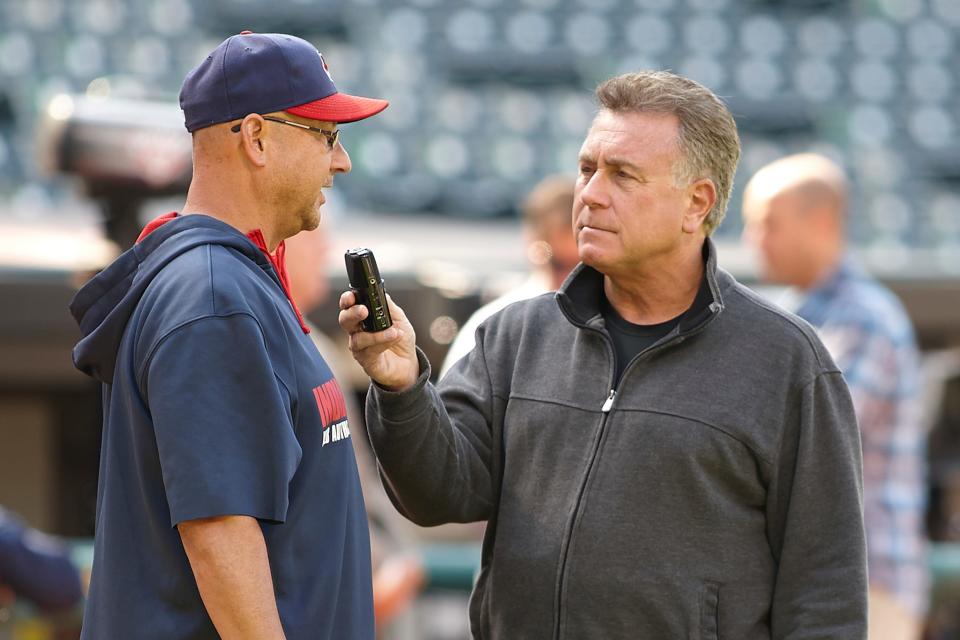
[[609, 401]]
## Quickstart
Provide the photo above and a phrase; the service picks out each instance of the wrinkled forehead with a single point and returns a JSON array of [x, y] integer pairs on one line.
[[633, 132]]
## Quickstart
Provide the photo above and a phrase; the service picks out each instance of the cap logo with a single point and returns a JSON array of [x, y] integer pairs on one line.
[[326, 69]]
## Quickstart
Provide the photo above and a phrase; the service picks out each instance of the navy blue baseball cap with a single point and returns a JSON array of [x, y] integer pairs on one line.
[[267, 72]]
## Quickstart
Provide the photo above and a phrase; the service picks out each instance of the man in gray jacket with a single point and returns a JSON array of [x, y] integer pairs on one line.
[[660, 454]]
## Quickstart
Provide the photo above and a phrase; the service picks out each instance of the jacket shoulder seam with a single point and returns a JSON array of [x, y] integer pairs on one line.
[[822, 374], [789, 320], [711, 425], [802, 387], [554, 401]]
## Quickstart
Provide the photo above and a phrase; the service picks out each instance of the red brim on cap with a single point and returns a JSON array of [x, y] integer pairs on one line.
[[340, 107]]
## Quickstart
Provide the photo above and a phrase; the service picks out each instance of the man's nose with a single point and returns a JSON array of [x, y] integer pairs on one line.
[[593, 194], [340, 163]]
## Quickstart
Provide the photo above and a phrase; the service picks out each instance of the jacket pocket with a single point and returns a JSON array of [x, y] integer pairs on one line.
[[710, 611]]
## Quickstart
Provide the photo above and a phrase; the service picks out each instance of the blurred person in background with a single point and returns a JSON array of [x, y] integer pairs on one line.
[[795, 213], [229, 502], [307, 255], [659, 453], [551, 252], [36, 567], [398, 574]]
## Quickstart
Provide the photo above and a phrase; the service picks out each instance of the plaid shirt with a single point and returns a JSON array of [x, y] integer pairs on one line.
[[870, 337]]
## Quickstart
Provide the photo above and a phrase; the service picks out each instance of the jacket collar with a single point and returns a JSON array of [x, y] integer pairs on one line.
[[579, 295]]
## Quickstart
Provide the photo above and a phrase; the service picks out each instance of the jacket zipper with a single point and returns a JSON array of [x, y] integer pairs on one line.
[[568, 540], [609, 401], [605, 410]]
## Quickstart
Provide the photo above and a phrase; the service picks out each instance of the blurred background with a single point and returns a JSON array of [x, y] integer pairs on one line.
[[487, 97]]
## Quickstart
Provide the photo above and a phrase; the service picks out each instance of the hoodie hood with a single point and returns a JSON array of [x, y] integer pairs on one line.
[[103, 306]]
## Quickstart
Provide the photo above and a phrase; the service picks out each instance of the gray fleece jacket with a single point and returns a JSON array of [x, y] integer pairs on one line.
[[715, 493]]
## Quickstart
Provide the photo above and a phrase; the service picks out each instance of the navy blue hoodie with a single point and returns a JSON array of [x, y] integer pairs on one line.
[[216, 402]]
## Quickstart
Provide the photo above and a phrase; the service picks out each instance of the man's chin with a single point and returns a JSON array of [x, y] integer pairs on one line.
[[593, 259], [309, 220]]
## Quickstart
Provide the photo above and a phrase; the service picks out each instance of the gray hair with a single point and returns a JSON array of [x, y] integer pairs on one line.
[[708, 141]]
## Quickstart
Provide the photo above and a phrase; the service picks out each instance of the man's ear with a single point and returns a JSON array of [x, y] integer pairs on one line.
[[702, 195], [252, 134]]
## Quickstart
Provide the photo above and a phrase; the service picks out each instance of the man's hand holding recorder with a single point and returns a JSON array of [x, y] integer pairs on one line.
[[387, 355]]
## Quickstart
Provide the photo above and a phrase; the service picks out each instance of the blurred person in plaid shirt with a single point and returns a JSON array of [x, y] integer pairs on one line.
[[794, 212]]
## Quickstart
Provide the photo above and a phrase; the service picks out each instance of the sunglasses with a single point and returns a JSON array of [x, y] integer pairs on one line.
[[332, 136]]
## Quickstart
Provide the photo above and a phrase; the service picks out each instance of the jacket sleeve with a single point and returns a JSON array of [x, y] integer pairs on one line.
[[815, 520], [222, 421], [435, 446]]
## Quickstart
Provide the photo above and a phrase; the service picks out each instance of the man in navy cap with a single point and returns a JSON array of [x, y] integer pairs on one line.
[[229, 501]]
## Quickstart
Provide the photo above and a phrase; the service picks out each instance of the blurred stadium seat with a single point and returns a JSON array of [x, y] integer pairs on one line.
[[488, 95]]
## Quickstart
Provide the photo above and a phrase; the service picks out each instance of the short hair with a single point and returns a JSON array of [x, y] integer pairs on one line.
[[549, 204], [708, 141]]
